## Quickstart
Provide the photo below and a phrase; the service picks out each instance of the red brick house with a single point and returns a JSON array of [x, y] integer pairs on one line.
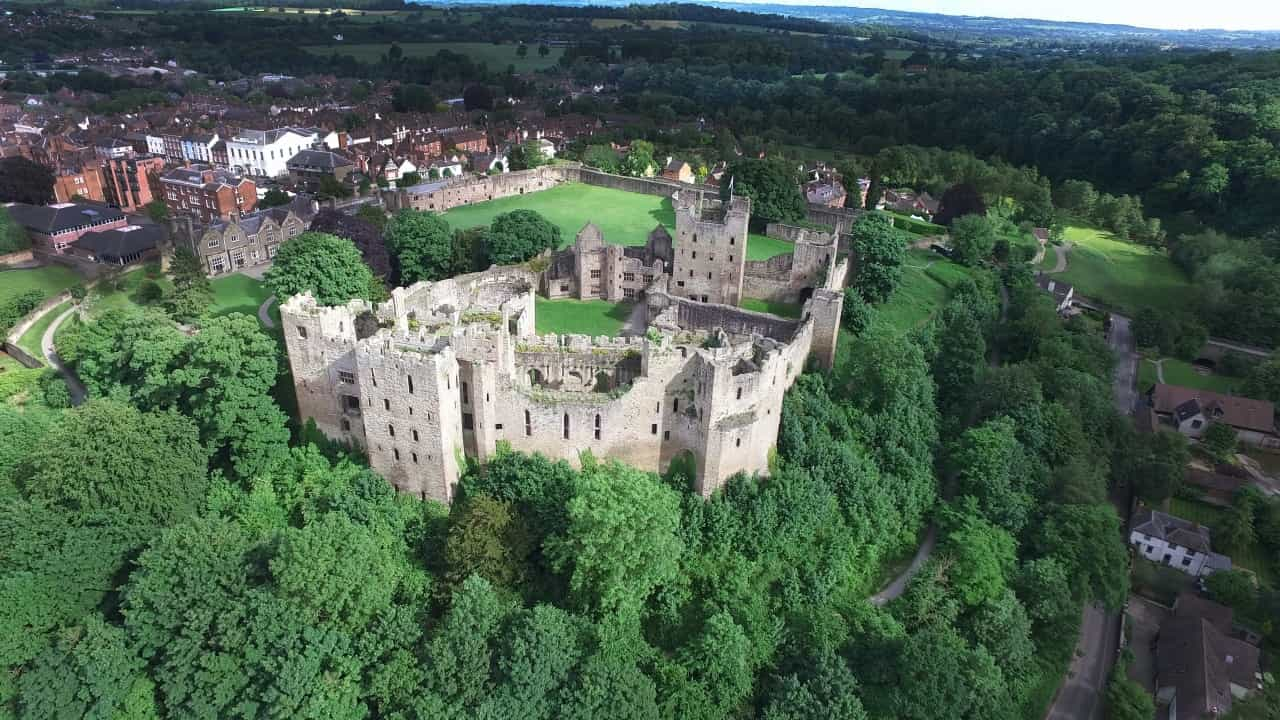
[[53, 228], [208, 193], [469, 141]]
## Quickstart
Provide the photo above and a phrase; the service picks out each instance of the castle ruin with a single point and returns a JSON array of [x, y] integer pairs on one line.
[[446, 370]]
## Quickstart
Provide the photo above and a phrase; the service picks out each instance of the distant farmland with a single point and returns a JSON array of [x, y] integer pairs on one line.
[[495, 56]]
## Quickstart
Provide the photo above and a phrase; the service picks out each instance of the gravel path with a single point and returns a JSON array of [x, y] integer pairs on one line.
[[74, 385]]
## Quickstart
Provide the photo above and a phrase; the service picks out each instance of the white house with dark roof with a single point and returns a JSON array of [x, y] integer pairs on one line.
[[266, 153], [1169, 540], [1063, 293]]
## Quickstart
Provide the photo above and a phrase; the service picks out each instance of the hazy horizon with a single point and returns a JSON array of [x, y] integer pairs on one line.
[[1142, 13]]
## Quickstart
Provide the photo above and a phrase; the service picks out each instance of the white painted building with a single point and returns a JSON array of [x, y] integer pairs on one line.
[[263, 153], [155, 144], [1177, 543], [199, 148]]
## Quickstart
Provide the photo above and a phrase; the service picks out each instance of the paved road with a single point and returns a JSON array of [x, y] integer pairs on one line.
[[1060, 258], [74, 385], [1253, 350], [1126, 377], [264, 313], [1080, 696], [899, 584]]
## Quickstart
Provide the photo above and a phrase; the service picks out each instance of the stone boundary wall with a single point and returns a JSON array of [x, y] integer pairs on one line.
[[839, 218], [783, 231], [645, 186], [770, 279], [14, 258], [733, 320]]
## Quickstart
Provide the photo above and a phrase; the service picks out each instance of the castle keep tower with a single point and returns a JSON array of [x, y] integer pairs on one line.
[[710, 248]]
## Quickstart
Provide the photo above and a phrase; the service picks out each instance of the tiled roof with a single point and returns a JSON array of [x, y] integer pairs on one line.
[[1172, 529], [55, 219], [1240, 412], [121, 242], [1196, 656]]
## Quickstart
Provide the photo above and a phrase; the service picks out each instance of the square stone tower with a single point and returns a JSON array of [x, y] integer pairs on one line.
[[710, 248]]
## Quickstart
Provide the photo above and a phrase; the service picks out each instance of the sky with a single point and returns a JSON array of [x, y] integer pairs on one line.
[[1165, 14]]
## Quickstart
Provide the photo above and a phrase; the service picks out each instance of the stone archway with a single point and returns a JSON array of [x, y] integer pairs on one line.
[[535, 377]]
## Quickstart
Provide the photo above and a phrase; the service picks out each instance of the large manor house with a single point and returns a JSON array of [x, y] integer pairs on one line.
[[451, 368]]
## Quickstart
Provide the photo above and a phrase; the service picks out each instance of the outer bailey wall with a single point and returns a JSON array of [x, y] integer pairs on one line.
[[841, 219]]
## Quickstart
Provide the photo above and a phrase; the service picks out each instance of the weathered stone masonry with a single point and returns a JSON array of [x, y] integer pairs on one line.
[[455, 367]]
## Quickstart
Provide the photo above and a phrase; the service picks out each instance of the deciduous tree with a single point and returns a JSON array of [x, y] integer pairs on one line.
[[880, 253], [328, 267], [422, 245]]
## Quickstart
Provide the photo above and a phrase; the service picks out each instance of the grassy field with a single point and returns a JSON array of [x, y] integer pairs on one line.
[[624, 218], [1180, 372], [1251, 558], [51, 280], [927, 279], [30, 340], [497, 57], [611, 23], [239, 293], [781, 309], [585, 317], [1123, 275]]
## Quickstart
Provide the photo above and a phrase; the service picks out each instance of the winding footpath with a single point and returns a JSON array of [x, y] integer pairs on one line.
[[899, 584], [264, 313], [77, 389]]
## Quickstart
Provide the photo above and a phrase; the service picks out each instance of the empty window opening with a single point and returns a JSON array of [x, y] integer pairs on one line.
[[302, 332], [391, 430], [466, 396], [737, 443], [468, 421], [566, 426], [666, 434], [675, 405], [415, 435], [528, 425], [386, 404], [597, 427], [415, 457], [653, 429], [395, 452], [410, 378], [739, 393]]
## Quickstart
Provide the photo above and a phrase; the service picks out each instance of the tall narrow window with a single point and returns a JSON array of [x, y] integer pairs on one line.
[[466, 396], [566, 426], [386, 404], [675, 405], [597, 427], [739, 393], [391, 430], [373, 377], [395, 452], [415, 435], [410, 378], [528, 424]]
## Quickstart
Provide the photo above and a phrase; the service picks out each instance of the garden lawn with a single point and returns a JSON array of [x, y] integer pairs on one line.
[[126, 297], [30, 340], [1251, 558], [927, 280], [497, 57], [1180, 372], [781, 309], [584, 317], [50, 280], [239, 293], [624, 218], [1122, 275]]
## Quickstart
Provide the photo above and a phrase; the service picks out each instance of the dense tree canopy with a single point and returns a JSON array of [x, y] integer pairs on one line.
[[362, 231], [327, 266], [880, 252], [518, 235], [422, 245], [771, 185]]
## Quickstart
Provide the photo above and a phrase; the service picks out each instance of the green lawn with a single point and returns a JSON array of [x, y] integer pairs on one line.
[[1180, 372], [927, 279], [30, 340], [126, 295], [584, 317], [497, 57], [50, 279], [239, 293], [1123, 275], [625, 218], [781, 309], [1251, 558]]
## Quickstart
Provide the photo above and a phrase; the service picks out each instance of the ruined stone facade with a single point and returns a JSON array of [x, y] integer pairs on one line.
[[710, 248], [593, 269], [449, 369]]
